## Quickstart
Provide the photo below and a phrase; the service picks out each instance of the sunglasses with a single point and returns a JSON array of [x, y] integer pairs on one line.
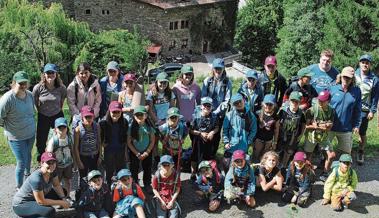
[[236, 103], [207, 105]]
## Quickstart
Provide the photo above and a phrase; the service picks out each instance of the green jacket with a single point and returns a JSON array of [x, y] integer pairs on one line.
[[333, 187]]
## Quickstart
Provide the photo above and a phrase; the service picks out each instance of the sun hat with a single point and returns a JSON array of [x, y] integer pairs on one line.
[[252, 74], [295, 95], [366, 57], [162, 77], [346, 158], [348, 72], [269, 98], [186, 69], [130, 77], [324, 95], [113, 65], [235, 98], [304, 72]]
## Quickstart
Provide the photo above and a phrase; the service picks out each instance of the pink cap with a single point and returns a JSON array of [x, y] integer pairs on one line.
[[87, 111], [115, 106], [238, 154], [270, 60], [300, 156], [130, 77], [324, 95], [46, 156]]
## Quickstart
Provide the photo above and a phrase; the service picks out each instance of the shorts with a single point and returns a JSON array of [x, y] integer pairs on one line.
[[344, 139], [64, 172], [309, 147], [364, 126]]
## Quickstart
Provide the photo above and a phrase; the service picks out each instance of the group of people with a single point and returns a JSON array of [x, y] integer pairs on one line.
[[107, 129]]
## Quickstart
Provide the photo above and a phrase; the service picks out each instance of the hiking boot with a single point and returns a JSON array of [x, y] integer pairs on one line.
[[360, 157], [324, 176]]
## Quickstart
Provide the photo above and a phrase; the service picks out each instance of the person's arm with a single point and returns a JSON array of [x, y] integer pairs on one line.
[[98, 100], [131, 146], [151, 112], [328, 186], [151, 145], [251, 185], [76, 147], [356, 119], [36, 94], [198, 95], [154, 185], [276, 134], [374, 97], [58, 187], [173, 100], [100, 151], [354, 181], [226, 131], [253, 129], [204, 89], [63, 95], [40, 197], [279, 182], [71, 99], [50, 145], [264, 184]]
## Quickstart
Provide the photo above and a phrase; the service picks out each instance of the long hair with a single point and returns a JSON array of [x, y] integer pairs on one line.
[[57, 82], [109, 119], [135, 128], [86, 66], [180, 78], [304, 171], [268, 154], [167, 91]]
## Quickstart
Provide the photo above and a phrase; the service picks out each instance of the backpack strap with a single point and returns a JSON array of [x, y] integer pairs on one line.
[[134, 189], [55, 142]]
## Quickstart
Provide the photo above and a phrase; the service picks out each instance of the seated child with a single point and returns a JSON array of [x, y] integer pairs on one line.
[[298, 180], [210, 183], [166, 187], [340, 186], [128, 196], [240, 180], [61, 144], [270, 176], [94, 199]]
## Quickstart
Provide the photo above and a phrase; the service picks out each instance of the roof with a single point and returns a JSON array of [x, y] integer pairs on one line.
[[178, 4], [154, 48]]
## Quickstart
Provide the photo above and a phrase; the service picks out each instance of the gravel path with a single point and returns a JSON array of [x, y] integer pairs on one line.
[[268, 204]]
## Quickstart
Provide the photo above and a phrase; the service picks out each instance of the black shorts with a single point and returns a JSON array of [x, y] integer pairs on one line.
[[364, 126]]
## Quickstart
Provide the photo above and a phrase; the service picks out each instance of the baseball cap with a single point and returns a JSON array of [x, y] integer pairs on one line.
[[236, 97], [304, 72], [218, 63], [238, 154], [206, 100], [162, 77], [324, 95], [87, 111], [300, 156], [269, 98], [115, 106], [295, 95], [251, 74], [130, 77], [346, 158], [46, 156], [186, 69], [21, 76], [204, 164], [348, 72], [166, 159], [50, 67], [366, 57], [61, 121], [113, 65], [174, 111], [123, 172], [270, 60], [140, 109], [93, 173]]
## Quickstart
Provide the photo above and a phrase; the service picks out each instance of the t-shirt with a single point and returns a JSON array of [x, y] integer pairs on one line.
[[126, 102], [49, 102], [144, 132], [166, 187], [34, 182], [268, 175], [112, 92], [307, 91], [175, 135], [126, 192], [266, 126], [62, 150], [187, 97], [161, 103], [322, 80], [115, 144]]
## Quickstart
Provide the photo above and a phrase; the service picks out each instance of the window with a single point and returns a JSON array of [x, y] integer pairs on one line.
[[172, 45], [184, 43], [88, 11], [184, 24], [105, 11], [173, 25], [176, 25]]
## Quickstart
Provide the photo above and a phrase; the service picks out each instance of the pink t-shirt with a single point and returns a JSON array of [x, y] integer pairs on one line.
[[188, 98]]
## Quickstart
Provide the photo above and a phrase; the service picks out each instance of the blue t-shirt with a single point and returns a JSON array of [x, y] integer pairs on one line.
[[34, 182], [144, 132], [322, 80], [161, 104]]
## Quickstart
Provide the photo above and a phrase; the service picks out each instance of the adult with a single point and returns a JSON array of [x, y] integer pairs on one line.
[[368, 82], [17, 118], [187, 93], [346, 100], [252, 91], [272, 81], [110, 85], [324, 74], [84, 90], [302, 85], [49, 95], [40, 191]]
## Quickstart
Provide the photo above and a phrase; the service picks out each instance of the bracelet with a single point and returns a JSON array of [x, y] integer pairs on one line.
[[138, 154]]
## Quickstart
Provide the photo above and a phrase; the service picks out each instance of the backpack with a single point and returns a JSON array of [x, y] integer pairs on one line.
[[66, 159], [176, 176], [225, 82], [83, 133], [244, 180], [215, 170], [120, 192], [335, 166]]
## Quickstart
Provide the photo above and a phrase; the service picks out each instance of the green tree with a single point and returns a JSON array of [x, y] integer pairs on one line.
[[299, 35], [256, 33]]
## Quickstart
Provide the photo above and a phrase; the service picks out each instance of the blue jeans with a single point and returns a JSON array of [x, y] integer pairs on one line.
[[22, 150]]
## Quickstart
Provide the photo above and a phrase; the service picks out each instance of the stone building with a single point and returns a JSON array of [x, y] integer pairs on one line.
[[174, 26]]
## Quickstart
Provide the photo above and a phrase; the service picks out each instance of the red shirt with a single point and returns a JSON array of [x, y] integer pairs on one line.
[[166, 189], [126, 192]]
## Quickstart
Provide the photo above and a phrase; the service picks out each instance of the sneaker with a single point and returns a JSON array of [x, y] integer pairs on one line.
[[360, 157], [324, 176]]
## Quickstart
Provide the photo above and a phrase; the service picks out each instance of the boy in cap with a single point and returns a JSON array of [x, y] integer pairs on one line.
[[128, 196], [291, 127], [340, 186], [166, 187], [239, 128], [94, 201], [252, 91], [319, 121], [61, 144]]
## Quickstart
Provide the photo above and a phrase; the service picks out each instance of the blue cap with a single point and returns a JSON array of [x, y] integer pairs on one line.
[[366, 57], [50, 67], [61, 121], [123, 172], [166, 159], [236, 97], [269, 98], [218, 63], [113, 65], [252, 74]]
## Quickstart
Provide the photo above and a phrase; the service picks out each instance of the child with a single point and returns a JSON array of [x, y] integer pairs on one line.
[[240, 180], [140, 143], [173, 134], [340, 186], [291, 123], [270, 176], [87, 148], [298, 180], [319, 121], [125, 97], [203, 128], [61, 144], [166, 187], [128, 196], [210, 183], [267, 128], [93, 201]]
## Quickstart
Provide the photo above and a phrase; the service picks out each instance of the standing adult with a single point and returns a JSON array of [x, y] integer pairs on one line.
[[324, 74], [187, 93], [49, 95], [252, 91], [110, 85], [272, 81], [84, 90], [37, 196], [346, 100], [17, 118], [368, 82]]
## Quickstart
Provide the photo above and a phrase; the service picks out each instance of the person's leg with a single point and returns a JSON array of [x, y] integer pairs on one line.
[[250, 201], [27, 155], [362, 140], [43, 127], [335, 202], [226, 161], [302, 199], [33, 209], [216, 138], [134, 166], [146, 166], [89, 214], [103, 214], [160, 213], [109, 166], [259, 144], [17, 149], [174, 212], [345, 142]]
